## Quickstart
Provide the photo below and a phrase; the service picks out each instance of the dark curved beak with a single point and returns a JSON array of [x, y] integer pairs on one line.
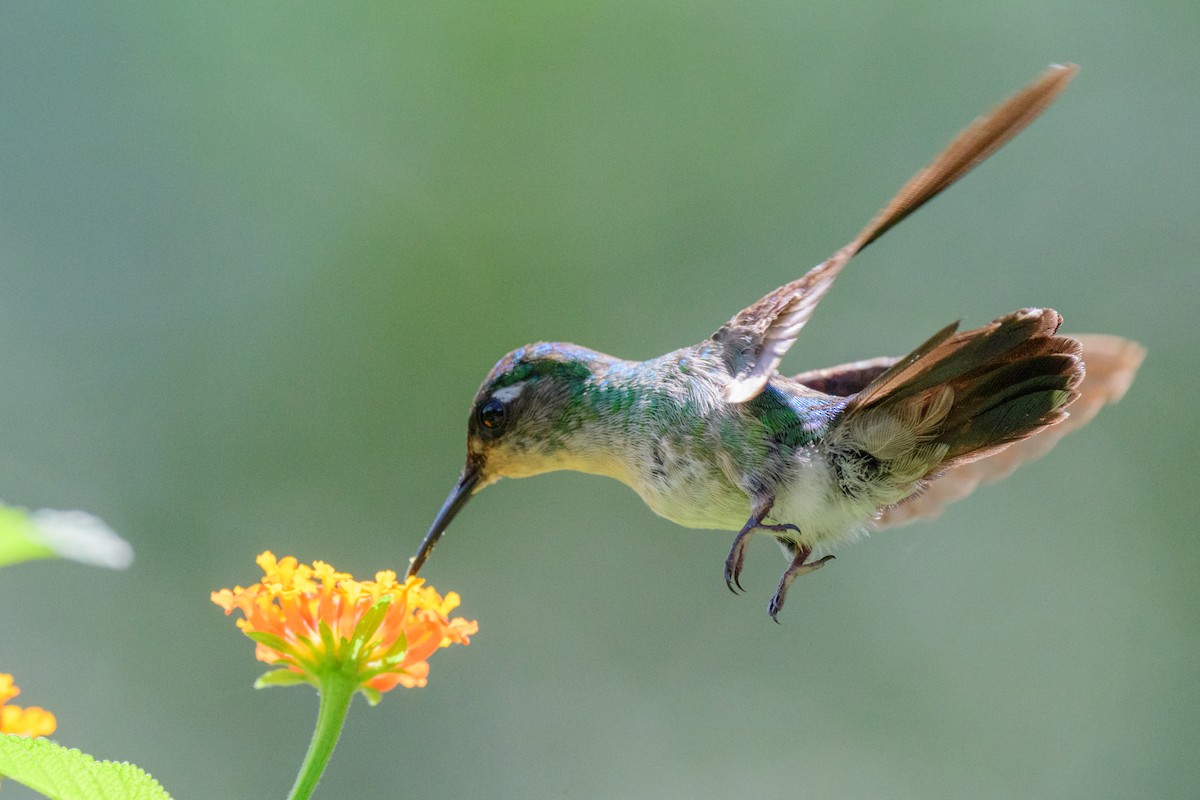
[[458, 498]]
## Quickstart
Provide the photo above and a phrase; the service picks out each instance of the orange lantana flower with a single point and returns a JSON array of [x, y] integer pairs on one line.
[[312, 620], [31, 721]]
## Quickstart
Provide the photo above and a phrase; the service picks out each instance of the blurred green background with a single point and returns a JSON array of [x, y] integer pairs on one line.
[[256, 257]]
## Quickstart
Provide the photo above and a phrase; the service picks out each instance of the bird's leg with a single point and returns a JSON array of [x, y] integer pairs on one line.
[[759, 508], [800, 554]]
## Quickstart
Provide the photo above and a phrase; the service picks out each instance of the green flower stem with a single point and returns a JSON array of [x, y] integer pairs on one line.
[[336, 689]]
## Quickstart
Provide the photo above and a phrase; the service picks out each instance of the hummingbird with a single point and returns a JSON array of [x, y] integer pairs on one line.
[[714, 436]]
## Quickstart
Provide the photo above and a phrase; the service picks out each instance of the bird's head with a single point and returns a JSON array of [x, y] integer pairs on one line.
[[528, 417]]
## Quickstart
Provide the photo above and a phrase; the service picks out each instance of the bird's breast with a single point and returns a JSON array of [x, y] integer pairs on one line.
[[687, 485]]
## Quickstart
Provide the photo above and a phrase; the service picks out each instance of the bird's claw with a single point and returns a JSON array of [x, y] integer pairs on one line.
[[774, 607], [735, 560], [797, 569]]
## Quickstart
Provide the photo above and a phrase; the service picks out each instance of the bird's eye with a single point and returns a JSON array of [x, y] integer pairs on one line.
[[493, 415]]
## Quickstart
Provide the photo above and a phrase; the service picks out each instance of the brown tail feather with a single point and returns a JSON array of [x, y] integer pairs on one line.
[[962, 396], [1112, 363], [949, 358]]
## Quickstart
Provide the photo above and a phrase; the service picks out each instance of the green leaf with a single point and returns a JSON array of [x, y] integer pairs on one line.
[[331, 648], [76, 535], [63, 774], [373, 695], [280, 677], [368, 625]]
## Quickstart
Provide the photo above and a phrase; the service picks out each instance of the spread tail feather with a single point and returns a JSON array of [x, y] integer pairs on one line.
[[957, 398], [1112, 362]]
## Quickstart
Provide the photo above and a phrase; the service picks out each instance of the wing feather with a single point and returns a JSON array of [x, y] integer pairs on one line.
[[759, 336]]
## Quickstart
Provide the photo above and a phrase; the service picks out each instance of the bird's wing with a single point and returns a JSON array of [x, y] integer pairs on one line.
[[1110, 363], [845, 379], [757, 338]]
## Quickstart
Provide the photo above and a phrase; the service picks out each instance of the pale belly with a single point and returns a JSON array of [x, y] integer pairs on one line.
[[695, 498], [701, 494]]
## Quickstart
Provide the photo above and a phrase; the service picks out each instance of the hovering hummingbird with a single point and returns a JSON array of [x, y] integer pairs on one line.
[[713, 436]]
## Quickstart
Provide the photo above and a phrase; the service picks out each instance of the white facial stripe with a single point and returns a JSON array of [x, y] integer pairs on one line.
[[509, 392]]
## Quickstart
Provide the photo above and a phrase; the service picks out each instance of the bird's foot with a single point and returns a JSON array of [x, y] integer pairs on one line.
[[737, 552], [797, 568]]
